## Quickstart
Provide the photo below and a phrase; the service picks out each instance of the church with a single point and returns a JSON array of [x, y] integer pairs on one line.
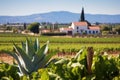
[[81, 27]]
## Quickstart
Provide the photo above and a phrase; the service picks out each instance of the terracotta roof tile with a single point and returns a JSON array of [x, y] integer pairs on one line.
[[94, 27], [80, 23]]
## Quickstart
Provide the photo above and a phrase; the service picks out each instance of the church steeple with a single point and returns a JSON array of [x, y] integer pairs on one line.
[[82, 17]]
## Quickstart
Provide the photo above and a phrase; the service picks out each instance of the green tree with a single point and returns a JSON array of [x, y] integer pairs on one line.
[[34, 27], [105, 28]]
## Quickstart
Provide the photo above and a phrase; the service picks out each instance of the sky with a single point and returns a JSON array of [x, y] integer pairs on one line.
[[28, 7]]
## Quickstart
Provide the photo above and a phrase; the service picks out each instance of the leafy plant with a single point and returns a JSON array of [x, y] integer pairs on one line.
[[105, 67], [76, 68], [69, 69], [30, 57], [8, 71]]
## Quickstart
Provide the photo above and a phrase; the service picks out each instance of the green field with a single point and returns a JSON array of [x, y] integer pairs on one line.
[[65, 65], [7, 39]]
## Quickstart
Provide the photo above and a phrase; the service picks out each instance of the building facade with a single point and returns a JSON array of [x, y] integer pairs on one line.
[[81, 27]]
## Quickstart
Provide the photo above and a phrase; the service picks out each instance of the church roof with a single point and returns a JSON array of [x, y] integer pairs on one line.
[[82, 23]]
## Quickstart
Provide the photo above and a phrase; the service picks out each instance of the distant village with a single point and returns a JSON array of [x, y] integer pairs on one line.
[[82, 27]]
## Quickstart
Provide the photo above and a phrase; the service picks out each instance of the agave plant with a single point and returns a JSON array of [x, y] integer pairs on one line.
[[30, 57]]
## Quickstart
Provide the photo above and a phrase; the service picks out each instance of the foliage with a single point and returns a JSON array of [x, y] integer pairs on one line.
[[6, 41], [8, 72], [34, 27], [105, 28], [118, 29], [103, 67], [30, 57]]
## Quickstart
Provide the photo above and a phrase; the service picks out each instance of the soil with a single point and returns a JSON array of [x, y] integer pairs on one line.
[[114, 53], [8, 59]]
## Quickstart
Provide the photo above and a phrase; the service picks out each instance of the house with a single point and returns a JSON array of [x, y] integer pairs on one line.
[[81, 27]]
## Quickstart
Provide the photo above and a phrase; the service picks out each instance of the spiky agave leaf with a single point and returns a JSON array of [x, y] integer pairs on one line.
[[36, 45], [41, 53], [28, 58], [23, 58], [46, 60], [30, 48], [43, 61], [22, 70]]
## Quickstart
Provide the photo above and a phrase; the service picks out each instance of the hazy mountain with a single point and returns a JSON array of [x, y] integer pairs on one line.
[[60, 17]]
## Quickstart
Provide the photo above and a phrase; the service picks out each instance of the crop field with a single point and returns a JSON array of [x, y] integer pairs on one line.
[[6, 41], [90, 62]]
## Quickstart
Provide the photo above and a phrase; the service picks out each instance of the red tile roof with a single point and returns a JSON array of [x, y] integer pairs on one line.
[[94, 27], [80, 23]]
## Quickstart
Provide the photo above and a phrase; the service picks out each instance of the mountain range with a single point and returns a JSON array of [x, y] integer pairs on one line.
[[60, 17]]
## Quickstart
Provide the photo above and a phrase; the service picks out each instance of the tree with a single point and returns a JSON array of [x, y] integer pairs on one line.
[[56, 26], [117, 29], [24, 25], [105, 28], [34, 27]]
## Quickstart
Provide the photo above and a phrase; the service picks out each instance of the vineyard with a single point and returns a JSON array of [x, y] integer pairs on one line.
[[6, 41], [65, 58]]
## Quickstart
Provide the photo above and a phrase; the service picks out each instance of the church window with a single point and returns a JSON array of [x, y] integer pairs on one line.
[[90, 32], [77, 27]]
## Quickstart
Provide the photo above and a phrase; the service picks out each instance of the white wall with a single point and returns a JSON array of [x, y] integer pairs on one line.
[[98, 32], [78, 29]]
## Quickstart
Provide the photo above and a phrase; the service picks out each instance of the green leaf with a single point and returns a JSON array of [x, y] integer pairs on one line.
[[23, 46], [61, 61], [30, 49], [40, 54], [76, 56], [36, 45], [22, 69], [45, 75], [23, 58]]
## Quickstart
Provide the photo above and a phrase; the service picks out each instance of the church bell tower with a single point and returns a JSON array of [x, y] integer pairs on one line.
[[82, 17]]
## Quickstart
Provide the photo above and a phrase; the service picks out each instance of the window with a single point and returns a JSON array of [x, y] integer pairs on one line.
[[81, 30], [77, 27], [86, 32], [90, 32], [93, 32], [77, 31], [96, 31]]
